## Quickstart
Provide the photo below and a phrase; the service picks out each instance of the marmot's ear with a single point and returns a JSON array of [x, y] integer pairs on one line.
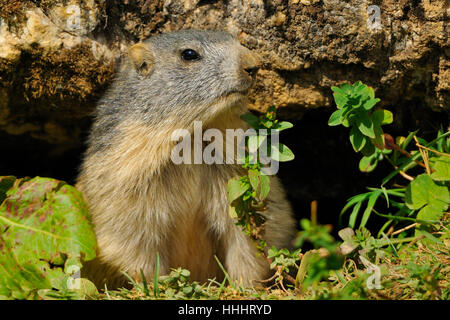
[[141, 57]]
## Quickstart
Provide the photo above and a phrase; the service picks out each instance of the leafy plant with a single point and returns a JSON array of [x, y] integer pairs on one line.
[[177, 285], [316, 264], [283, 261], [45, 235], [355, 105], [426, 198], [247, 194], [318, 235]]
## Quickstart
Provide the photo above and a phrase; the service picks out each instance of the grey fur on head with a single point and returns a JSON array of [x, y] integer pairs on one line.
[[174, 88]]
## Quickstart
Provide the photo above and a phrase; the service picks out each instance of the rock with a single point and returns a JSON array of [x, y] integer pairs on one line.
[[50, 69], [57, 57]]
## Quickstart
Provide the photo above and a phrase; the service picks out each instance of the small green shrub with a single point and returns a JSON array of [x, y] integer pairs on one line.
[[247, 194], [426, 198]]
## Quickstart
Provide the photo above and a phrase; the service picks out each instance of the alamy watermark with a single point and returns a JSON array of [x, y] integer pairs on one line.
[[231, 149], [372, 282], [374, 21]]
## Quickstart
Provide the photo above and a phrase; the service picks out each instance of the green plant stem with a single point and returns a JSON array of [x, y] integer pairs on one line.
[[409, 219], [386, 242], [413, 158], [227, 276], [156, 277]]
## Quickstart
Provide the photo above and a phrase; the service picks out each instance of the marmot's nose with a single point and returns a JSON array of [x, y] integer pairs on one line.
[[250, 62]]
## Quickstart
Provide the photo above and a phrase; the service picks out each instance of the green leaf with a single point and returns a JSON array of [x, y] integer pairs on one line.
[[264, 189], [340, 99], [357, 139], [429, 236], [338, 90], [410, 161], [370, 204], [358, 88], [236, 188], [382, 116], [335, 118], [185, 273], [254, 143], [368, 149], [251, 119], [347, 116], [366, 93], [441, 165], [349, 244], [44, 232], [365, 124], [355, 199], [370, 103], [354, 215], [281, 153], [346, 88], [232, 212], [267, 123], [86, 290], [378, 140], [370, 93], [283, 125], [432, 200], [368, 164], [408, 139], [253, 176]]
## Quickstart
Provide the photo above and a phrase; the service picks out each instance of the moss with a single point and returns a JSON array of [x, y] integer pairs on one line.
[[68, 74], [9, 8]]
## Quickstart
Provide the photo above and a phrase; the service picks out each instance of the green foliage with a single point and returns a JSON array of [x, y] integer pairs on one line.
[[320, 265], [45, 235], [417, 209], [425, 278], [268, 122], [426, 198], [355, 105], [247, 194], [422, 204], [283, 259], [177, 285], [425, 195], [318, 235], [316, 264], [441, 167]]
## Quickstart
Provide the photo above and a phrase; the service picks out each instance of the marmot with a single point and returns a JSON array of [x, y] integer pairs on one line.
[[141, 203]]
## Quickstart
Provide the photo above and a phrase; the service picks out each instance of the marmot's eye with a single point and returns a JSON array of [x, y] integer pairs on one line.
[[190, 55]]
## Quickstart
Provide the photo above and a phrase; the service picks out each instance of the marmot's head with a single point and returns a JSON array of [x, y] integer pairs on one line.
[[190, 73]]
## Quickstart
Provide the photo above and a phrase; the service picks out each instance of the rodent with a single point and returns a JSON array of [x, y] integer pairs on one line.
[[141, 203]]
